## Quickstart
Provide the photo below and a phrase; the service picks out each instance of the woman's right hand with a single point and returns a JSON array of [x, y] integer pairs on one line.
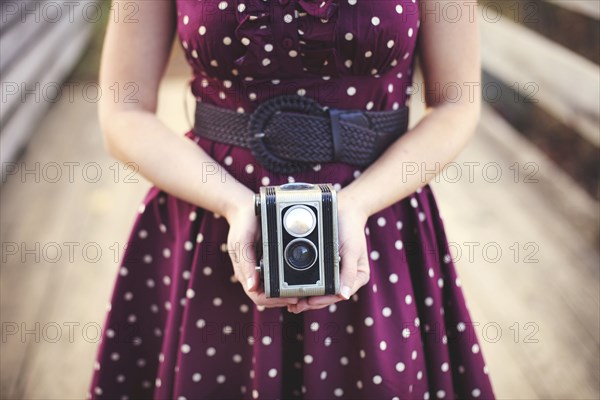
[[243, 235]]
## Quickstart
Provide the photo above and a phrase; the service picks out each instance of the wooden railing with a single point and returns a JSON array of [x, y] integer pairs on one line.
[[589, 8], [40, 43], [563, 83], [543, 55]]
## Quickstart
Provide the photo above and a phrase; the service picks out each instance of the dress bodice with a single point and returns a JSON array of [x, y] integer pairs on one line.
[[343, 53]]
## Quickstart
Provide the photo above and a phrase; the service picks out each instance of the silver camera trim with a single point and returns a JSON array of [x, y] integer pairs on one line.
[[311, 197], [304, 207], [303, 240], [287, 290]]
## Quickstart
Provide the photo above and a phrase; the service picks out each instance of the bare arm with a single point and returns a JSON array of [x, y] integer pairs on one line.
[[450, 55], [137, 52]]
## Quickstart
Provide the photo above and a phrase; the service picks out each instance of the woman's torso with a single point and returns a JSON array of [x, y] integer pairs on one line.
[[351, 54]]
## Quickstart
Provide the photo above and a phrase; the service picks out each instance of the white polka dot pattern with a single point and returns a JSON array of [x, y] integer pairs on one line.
[[180, 324], [314, 39]]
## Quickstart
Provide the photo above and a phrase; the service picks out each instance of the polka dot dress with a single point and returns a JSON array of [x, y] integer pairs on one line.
[[181, 327]]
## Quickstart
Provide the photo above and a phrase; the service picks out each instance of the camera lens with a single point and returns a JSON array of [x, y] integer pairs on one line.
[[300, 254], [299, 221]]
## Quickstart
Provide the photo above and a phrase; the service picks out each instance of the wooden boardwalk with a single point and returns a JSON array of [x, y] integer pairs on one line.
[[536, 303]]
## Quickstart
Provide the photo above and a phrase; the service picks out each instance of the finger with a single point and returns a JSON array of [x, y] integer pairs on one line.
[[237, 273], [363, 272], [324, 302], [322, 306], [261, 299], [312, 308], [349, 263], [317, 301], [247, 264], [300, 306], [271, 303], [362, 278], [276, 303]]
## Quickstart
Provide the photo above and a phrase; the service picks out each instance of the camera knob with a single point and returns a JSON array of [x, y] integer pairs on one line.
[[260, 269], [256, 204]]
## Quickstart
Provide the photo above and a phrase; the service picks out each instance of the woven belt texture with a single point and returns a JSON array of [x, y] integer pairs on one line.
[[291, 133]]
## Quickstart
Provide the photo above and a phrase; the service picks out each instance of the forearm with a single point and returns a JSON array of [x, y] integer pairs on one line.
[[172, 162], [415, 158]]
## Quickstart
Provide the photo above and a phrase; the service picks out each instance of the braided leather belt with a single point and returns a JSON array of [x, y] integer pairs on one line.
[[291, 133]]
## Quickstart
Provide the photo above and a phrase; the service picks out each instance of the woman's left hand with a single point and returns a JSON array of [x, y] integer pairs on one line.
[[355, 270]]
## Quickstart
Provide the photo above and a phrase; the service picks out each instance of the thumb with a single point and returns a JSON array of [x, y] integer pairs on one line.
[[363, 272], [248, 264], [349, 262]]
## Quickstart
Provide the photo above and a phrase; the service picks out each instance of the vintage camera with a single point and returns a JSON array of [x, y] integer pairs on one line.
[[299, 228]]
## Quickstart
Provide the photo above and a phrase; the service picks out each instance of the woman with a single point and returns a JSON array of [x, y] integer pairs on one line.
[[189, 319]]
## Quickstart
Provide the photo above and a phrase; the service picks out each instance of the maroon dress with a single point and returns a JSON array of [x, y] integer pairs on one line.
[[181, 327]]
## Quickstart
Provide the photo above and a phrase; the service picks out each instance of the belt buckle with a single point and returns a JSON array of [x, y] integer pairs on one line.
[[336, 117], [259, 121], [260, 118]]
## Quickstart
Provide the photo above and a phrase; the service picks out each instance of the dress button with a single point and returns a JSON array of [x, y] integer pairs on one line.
[[284, 2], [287, 43]]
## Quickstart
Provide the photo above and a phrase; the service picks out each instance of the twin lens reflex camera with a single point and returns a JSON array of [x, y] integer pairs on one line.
[[299, 226]]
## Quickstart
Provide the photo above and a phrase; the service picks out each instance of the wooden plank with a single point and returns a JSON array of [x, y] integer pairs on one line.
[[32, 65], [68, 292], [589, 8], [59, 61], [80, 212], [20, 39], [562, 220], [558, 293], [12, 12], [568, 90], [75, 281]]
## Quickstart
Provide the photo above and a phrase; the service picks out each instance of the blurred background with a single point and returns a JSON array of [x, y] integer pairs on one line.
[[520, 204]]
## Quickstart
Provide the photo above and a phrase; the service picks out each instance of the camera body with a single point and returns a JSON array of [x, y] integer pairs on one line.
[[299, 226]]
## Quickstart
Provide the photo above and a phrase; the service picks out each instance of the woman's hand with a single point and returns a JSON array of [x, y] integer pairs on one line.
[[355, 271], [243, 234]]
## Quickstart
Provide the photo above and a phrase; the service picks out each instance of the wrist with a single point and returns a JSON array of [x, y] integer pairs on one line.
[[236, 200], [357, 204]]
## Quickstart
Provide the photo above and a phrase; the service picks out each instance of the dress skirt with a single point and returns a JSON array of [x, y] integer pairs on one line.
[[181, 327]]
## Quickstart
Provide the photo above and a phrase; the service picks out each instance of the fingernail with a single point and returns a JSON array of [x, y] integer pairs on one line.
[[250, 283], [345, 292]]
